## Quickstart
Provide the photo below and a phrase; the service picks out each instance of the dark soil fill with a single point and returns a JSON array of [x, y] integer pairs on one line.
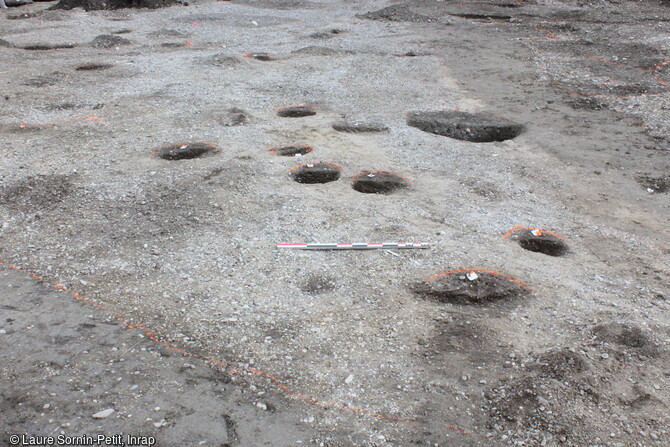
[[655, 184], [24, 128], [291, 151], [93, 66], [358, 127], [94, 5], [320, 51], [32, 193], [317, 283], [559, 364], [478, 128], [496, 17], [49, 46], [379, 182], [185, 151], [265, 57], [540, 241], [15, 3], [296, 111], [624, 334], [396, 13], [109, 41], [471, 287], [316, 173], [234, 117], [164, 33], [174, 45], [327, 34], [222, 60]]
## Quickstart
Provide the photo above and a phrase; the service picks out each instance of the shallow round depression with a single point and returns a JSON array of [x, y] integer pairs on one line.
[[474, 127], [539, 241], [185, 151], [295, 111], [471, 287], [291, 151], [379, 182], [316, 173]]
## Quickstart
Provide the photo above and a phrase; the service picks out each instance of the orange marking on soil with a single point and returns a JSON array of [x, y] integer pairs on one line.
[[604, 61], [591, 95], [451, 272], [513, 229], [319, 163], [659, 79], [157, 339], [375, 172], [551, 35], [654, 67]]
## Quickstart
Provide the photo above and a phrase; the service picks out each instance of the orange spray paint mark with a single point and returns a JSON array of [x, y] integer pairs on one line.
[[221, 363], [451, 272], [540, 230]]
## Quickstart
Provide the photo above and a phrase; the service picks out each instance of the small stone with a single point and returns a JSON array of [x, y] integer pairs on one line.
[[349, 379], [262, 406], [604, 355], [464, 378], [103, 414]]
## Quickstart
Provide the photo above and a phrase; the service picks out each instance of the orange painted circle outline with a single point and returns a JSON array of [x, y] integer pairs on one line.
[[542, 231], [451, 272]]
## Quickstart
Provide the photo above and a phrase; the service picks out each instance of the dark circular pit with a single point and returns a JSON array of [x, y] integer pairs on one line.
[[477, 127], [185, 151], [359, 127], [312, 173], [93, 66], [379, 182], [265, 57], [295, 111], [471, 286], [291, 151], [538, 240]]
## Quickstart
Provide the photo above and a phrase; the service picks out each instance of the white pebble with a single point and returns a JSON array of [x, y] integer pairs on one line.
[[103, 414]]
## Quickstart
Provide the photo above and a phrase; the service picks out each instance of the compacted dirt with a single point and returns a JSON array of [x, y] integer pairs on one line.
[[153, 159]]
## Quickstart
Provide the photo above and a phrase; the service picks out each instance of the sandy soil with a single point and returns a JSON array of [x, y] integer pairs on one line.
[[157, 287]]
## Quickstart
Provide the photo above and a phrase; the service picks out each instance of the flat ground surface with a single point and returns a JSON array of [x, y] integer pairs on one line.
[[157, 287]]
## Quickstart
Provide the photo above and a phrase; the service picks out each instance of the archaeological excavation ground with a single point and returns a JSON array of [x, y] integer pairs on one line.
[[154, 157]]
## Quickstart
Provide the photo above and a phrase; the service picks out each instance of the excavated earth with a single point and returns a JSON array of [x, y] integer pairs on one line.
[[141, 206]]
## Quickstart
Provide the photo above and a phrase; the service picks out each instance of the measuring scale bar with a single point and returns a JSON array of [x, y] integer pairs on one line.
[[356, 245]]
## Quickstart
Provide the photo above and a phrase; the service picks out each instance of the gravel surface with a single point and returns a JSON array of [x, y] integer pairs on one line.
[[337, 348]]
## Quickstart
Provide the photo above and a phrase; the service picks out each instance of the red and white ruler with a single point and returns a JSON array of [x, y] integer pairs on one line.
[[356, 245]]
